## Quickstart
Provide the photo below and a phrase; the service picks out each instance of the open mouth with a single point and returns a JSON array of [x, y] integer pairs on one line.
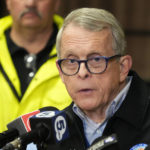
[[85, 90]]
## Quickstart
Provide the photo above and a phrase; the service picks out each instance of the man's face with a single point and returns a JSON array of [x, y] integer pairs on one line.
[[32, 13], [90, 91]]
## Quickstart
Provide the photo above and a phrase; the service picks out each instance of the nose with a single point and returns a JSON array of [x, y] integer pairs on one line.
[[83, 71], [30, 2]]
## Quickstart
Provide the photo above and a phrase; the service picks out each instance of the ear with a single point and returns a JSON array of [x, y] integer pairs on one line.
[[60, 72], [125, 66]]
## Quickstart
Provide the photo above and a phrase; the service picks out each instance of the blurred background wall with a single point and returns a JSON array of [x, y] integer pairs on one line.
[[134, 15]]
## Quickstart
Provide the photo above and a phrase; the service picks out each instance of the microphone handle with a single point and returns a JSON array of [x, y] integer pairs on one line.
[[16, 144], [36, 135], [7, 136], [8, 147]]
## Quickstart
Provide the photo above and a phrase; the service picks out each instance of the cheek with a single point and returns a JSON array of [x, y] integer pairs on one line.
[[103, 87], [15, 12], [107, 85], [71, 85], [46, 9]]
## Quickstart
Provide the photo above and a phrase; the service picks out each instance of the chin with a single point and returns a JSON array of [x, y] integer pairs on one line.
[[86, 106]]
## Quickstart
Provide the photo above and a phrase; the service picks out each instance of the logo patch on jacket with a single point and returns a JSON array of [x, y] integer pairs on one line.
[[140, 146]]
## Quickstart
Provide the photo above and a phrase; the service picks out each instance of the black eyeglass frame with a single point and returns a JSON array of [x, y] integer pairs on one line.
[[59, 61]]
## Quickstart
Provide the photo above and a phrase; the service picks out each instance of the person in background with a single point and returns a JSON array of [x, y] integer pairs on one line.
[[29, 78], [108, 96]]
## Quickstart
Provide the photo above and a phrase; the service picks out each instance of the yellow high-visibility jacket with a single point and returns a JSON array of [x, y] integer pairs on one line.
[[45, 89]]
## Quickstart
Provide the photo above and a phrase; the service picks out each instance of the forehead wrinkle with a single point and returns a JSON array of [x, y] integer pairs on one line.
[[73, 41], [73, 32], [89, 40]]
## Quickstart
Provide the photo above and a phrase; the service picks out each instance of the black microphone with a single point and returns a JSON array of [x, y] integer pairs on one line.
[[21, 142], [15, 128], [47, 126], [55, 121], [19, 126], [7, 136], [101, 143]]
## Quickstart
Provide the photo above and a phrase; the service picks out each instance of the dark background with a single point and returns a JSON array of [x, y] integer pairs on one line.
[[134, 15]]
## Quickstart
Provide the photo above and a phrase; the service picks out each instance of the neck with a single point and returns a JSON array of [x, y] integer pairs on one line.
[[33, 40], [98, 116]]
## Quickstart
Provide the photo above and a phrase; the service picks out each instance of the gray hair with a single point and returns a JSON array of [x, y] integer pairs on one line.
[[95, 19]]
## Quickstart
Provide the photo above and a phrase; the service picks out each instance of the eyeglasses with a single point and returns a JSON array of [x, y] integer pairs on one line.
[[94, 65]]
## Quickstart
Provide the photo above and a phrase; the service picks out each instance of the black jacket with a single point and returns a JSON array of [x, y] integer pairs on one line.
[[131, 123]]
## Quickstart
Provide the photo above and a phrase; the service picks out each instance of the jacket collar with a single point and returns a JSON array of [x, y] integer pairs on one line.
[[136, 103]]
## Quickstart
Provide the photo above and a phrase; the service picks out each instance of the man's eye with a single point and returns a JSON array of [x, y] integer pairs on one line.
[[71, 61], [97, 59]]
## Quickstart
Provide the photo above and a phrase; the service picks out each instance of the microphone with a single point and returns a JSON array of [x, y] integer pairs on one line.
[[47, 126], [32, 136], [103, 142], [19, 126], [15, 128], [55, 122], [7, 136]]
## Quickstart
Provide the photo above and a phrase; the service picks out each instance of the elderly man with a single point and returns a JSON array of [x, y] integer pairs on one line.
[[95, 68]]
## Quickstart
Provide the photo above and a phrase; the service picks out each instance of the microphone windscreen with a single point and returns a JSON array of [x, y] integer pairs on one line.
[[55, 122]]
